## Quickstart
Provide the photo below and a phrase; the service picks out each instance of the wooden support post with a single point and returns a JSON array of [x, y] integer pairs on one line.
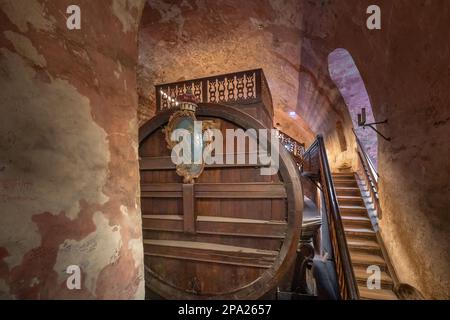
[[188, 208]]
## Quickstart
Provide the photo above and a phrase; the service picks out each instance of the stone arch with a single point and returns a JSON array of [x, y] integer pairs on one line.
[[348, 80]]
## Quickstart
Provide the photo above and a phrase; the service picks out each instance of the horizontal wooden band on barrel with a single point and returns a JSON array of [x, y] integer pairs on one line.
[[263, 243], [207, 252], [166, 163], [217, 190], [218, 226]]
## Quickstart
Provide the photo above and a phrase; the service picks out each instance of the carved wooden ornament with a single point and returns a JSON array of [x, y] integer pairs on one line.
[[185, 119]]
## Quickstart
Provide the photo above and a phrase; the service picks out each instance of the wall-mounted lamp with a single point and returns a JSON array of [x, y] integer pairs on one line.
[[362, 123]]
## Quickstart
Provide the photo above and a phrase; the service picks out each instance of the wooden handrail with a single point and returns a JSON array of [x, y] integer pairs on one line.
[[366, 157], [297, 149], [315, 163], [348, 287], [370, 174], [309, 164]]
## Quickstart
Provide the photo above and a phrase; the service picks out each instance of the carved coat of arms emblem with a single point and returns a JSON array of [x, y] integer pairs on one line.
[[184, 119]]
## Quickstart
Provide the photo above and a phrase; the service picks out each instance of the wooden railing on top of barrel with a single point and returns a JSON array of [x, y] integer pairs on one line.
[[296, 148], [245, 87]]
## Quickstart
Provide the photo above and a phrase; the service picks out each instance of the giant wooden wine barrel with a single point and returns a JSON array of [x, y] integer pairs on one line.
[[233, 234]]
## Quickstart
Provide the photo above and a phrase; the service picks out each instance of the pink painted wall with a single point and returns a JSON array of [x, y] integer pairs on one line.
[[69, 192]]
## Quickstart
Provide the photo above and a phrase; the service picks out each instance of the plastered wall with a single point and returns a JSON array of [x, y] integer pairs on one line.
[[69, 191]]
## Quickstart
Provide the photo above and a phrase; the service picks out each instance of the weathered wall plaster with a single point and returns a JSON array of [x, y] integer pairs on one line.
[[69, 190]]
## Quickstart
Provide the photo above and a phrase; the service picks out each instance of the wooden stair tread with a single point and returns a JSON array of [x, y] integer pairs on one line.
[[356, 222], [350, 198], [343, 174], [366, 259], [362, 243], [376, 294], [345, 183], [345, 200], [355, 218], [362, 276], [347, 188], [208, 247], [345, 180], [347, 191], [350, 207], [353, 230]]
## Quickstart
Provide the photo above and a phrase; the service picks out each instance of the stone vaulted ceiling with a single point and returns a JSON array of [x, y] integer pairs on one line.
[[195, 38]]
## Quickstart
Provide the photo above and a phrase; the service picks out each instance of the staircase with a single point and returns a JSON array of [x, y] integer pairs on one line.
[[361, 238]]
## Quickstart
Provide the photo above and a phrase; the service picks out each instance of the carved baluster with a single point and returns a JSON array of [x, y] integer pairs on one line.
[[221, 89], [212, 91], [164, 104], [230, 88], [240, 87], [198, 90], [250, 85], [173, 96], [181, 89], [190, 86]]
